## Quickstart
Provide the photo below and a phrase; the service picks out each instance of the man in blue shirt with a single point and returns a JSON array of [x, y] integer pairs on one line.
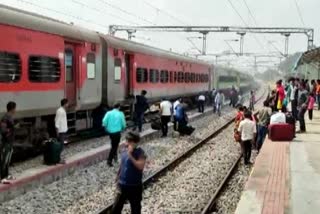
[[129, 179], [140, 107], [114, 123]]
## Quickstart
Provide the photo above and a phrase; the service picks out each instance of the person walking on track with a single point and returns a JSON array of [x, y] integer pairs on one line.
[[166, 112], [114, 123], [7, 140], [129, 178], [140, 107], [61, 124], [248, 130]]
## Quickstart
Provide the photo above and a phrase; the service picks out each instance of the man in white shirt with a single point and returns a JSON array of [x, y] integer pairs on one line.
[[278, 117], [201, 101], [61, 122], [248, 131], [175, 104], [166, 112]]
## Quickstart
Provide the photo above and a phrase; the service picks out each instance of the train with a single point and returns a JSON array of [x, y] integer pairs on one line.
[[43, 60]]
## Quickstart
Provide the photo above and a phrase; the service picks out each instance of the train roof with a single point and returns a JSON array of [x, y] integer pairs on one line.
[[146, 49], [20, 18]]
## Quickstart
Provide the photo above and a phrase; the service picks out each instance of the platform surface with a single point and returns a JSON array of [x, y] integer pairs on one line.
[[286, 176]]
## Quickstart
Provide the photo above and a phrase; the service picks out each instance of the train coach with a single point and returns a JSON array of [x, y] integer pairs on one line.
[[44, 60]]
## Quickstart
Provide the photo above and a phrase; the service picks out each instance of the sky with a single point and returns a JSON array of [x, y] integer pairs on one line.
[[99, 14]]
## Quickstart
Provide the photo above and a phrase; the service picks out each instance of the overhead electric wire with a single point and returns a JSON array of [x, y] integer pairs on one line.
[[165, 12], [125, 11], [245, 23], [257, 25], [64, 14], [299, 13], [103, 12]]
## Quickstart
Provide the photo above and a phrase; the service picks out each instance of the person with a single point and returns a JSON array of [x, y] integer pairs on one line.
[[294, 98], [61, 123], [201, 101], [252, 101], [278, 117], [219, 102], [280, 95], [272, 100], [263, 121], [114, 123], [233, 96], [166, 112], [7, 140], [213, 97], [140, 107], [240, 100], [181, 118], [175, 104], [313, 87], [248, 130], [306, 82], [302, 106], [238, 119], [129, 178], [311, 102], [318, 93]]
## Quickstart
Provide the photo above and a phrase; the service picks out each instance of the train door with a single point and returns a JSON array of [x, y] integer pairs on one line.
[[70, 74], [128, 83]]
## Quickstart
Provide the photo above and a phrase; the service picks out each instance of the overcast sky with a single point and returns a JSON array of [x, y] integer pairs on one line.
[[99, 14]]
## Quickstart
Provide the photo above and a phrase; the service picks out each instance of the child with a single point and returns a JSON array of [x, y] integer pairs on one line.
[[310, 105]]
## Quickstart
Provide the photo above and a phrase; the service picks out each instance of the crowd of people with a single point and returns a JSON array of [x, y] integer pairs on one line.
[[287, 103]]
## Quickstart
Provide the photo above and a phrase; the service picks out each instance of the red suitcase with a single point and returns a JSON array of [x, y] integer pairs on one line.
[[281, 132]]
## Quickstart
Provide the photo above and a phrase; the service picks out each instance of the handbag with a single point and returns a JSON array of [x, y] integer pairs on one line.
[[237, 136]]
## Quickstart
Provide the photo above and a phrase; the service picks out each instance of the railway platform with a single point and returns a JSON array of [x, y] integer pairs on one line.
[[286, 176], [39, 174]]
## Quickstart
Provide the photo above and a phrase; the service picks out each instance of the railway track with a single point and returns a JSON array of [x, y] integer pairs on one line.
[[210, 207], [176, 161]]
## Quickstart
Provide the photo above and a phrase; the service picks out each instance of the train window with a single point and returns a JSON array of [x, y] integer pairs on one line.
[[91, 66], [206, 78], [68, 61], [180, 76], [201, 78], [193, 77], [154, 76], [171, 76], [175, 78], [164, 76], [10, 67], [187, 77], [44, 69], [117, 69], [142, 75]]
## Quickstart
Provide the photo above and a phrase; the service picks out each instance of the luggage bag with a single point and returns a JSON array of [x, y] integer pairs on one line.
[[281, 132], [52, 152]]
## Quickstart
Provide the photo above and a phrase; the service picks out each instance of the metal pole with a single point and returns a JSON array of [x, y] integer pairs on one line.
[[241, 42], [204, 42], [286, 48], [310, 36]]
